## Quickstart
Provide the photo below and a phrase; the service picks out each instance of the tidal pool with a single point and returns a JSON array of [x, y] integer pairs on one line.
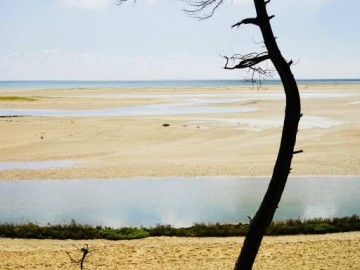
[[173, 200]]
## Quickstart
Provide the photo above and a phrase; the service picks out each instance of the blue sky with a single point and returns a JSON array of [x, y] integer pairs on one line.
[[154, 39]]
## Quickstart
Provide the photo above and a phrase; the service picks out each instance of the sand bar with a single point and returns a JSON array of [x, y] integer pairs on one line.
[[195, 144]]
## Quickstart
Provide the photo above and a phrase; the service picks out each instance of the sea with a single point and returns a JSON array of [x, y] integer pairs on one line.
[[75, 84]]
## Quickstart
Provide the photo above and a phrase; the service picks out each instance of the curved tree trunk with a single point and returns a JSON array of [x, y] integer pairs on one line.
[[265, 214]]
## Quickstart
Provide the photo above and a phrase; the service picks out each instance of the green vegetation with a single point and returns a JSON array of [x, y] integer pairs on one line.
[[71, 231], [122, 233], [286, 227], [78, 231], [201, 230], [315, 226], [16, 98]]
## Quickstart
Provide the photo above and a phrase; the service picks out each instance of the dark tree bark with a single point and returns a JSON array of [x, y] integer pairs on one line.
[[282, 168]]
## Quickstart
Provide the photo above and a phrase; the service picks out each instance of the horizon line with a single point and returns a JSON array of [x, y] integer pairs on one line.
[[174, 80]]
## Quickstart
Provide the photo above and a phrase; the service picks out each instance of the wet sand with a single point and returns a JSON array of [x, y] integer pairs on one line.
[[236, 143], [315, 252]]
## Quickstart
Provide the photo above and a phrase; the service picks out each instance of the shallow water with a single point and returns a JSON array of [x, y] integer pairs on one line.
[[255, 124], [176, 201], [155, 109], [188, 103]]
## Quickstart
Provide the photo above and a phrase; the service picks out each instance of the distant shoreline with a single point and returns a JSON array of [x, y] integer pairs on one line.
[[127, 84]]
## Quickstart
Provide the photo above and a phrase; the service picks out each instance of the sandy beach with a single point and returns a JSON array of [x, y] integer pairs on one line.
[[315, 252], [212, 131]]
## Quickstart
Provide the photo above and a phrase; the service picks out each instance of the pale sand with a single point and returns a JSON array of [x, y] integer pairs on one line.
[[242, 143], [332, 251], [113, 147]]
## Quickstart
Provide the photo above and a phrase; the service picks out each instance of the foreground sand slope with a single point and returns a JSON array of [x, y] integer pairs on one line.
[[332, 251], [237, 143]]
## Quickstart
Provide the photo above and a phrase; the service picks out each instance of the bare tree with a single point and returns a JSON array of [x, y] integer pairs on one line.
[[204, 9], [282, 168]]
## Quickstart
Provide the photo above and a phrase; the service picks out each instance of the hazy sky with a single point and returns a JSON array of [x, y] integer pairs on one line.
[[154, 39]]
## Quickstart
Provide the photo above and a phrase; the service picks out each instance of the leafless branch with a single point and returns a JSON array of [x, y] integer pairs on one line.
[[85, 254], [294, 63], [246, 61], [202, 9], [259, 43], [120, 2], [246, 21], [71, 258], [251, 63]]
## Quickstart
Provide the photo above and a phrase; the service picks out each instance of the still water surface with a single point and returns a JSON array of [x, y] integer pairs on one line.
[[174, 200], [143, 110]]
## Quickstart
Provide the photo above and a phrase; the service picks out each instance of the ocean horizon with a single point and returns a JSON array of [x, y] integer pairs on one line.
[[69, 84]]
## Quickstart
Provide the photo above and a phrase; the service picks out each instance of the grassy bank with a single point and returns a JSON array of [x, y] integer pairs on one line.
[[78, 231]]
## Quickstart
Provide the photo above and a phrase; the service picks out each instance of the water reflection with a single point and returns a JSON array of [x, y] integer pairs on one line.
[[176, 201]]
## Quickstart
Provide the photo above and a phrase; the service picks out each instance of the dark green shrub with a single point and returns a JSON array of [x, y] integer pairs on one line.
[[78, 231], [122, 233]]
